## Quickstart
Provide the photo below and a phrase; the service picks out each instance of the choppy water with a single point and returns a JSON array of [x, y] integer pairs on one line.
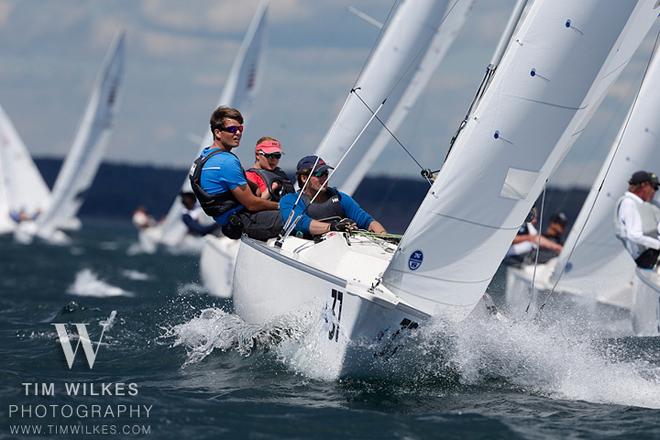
[[205, 374]]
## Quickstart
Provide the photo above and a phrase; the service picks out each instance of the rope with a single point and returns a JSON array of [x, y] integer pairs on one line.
[[532, 296]]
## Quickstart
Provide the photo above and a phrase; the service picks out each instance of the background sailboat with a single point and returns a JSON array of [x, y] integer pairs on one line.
[[594, 266], [82, 162], [21, 184], [240, 90], [550, 81]]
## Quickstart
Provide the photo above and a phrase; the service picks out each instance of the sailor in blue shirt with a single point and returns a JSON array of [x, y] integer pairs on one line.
[[219, 183], [330, 208]]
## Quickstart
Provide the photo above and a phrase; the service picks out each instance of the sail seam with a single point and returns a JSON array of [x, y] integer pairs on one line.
[[442, 279], [513, 228]]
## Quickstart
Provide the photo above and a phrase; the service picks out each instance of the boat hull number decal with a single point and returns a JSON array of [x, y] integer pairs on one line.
[[337, 303]]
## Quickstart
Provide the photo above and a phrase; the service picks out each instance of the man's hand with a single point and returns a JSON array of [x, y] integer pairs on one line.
[[344, 225]]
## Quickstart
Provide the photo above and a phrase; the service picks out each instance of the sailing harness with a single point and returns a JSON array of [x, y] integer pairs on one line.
[[284, 184], [213, 205]]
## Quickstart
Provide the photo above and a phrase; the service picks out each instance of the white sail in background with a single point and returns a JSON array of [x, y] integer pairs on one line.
[[553, 76], [600, 267], [240, 89], [23, 188], [402, 103], [82, 162], [391, 67]]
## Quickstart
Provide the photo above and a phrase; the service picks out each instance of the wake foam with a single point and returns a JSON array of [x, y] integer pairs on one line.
[[135, 275], [87, 283], [217, 329]]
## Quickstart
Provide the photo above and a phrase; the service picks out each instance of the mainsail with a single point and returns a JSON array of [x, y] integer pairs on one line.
[[82, 162], [599, 266], [404, 98], [240, 89], [393, 64], [553, 76], [23, 188]]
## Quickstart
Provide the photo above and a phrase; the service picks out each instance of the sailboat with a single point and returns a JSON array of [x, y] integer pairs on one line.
[[555, 72], [412, 47], [82, 162], [240, 90], [22, 189], [593, 267]]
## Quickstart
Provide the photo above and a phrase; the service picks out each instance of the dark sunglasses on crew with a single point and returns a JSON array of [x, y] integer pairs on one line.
[[271, 155], [233, 129], [320, 173]]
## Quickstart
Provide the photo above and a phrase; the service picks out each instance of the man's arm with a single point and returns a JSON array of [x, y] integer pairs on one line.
[[196, 227], [633, 223], [252, 202]]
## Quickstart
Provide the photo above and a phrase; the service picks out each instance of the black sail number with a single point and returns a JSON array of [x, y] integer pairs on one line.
[[337, 302]]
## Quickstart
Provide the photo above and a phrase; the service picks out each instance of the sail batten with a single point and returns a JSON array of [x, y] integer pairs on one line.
[[546, 62]]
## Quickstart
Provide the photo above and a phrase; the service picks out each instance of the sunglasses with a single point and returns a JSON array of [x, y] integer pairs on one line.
[[320, 173], [271, 155], [233, 129]]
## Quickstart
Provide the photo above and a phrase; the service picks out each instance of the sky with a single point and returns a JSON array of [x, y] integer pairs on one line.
[[179, 54]]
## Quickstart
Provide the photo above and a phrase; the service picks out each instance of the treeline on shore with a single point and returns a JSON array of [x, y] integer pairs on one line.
[[119, 188]]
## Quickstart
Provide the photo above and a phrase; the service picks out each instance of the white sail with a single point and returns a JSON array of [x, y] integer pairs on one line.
[[393, 64], [600, 266], [23, 188], [401, 105], [552, 77], [240, 89], [84, 158]]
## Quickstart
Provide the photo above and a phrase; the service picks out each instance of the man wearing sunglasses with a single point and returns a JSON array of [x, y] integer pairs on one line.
[[332, 210], [637, 219], [273, 183], [219, 183]]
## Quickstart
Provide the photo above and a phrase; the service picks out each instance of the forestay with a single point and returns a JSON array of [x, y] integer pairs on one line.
[[552, 77], [390, 68], [404, 98], [22, 184], [239, 91], [84, 158], [600, 266]]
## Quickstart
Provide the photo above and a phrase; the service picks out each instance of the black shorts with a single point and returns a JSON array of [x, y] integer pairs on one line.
[[262, 225]]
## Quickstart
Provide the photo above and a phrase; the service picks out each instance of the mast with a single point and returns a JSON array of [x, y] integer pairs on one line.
[[552, 77]]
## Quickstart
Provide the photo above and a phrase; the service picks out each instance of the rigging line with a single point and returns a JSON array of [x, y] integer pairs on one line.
[[532, 296], [607, 171], [348, 150], [374, 115]]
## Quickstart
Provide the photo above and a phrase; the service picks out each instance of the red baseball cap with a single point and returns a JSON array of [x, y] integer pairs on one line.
[[269, 146]]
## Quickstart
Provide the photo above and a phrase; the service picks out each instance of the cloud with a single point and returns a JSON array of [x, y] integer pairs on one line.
[[6, 9]]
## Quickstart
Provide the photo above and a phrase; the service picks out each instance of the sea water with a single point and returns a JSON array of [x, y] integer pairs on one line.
[[175, 362]]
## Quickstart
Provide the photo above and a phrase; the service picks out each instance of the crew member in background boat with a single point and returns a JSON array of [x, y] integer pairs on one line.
[[554, 232], [21, 215], [273, 183], [332, 210], [141, 218], [219, 183], [636, 219], [525, 242], [191, 215]]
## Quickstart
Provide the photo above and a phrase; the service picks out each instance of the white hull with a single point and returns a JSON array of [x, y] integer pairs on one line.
[[646, 303], [587, 309], [347, 318], [151, 240], [217, 264]]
